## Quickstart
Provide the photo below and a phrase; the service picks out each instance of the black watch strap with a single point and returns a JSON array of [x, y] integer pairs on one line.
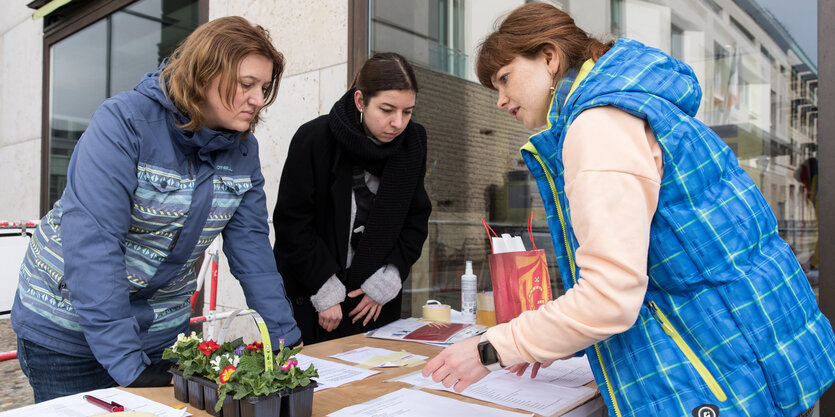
[[488, 355]]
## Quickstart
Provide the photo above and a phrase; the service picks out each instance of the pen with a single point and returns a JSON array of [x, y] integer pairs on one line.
[[109, 406]]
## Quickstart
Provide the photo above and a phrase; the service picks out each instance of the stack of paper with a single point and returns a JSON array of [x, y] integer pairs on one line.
[[430, 332], [571, 372], [544, 395], [412, 403]]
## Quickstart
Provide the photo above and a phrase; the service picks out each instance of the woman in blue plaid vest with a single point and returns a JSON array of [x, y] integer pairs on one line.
[[680, 290]]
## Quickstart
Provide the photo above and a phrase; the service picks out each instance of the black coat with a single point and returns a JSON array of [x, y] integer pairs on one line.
[[311, 221]]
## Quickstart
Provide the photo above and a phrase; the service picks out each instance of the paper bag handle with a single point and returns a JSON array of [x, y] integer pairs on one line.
[[530, 229], [489, 230]]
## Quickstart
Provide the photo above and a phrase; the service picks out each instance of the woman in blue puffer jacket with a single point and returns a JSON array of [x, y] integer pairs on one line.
[[157, 175], [680, 290]]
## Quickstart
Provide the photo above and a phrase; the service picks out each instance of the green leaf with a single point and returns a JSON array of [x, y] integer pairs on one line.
[[221, 396]]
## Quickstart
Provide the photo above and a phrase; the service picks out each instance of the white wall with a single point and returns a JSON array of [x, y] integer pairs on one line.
[[313, 36], [21, 45]]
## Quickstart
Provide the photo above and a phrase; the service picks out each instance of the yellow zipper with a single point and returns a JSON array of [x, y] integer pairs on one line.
[[691, 356], [573, 274]]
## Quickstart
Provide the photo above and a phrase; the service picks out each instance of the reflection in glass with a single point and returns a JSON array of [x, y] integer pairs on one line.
[[429, 33], [759, 80], [101, 60], [79, 64]]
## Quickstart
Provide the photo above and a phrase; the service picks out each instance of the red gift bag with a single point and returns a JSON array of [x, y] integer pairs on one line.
[[520, 278]]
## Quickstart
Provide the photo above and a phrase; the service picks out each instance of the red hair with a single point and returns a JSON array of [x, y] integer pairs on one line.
[[529, 28]]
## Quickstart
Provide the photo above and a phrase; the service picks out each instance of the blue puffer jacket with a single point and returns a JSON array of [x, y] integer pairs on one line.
[[729, 318], [111, 267]]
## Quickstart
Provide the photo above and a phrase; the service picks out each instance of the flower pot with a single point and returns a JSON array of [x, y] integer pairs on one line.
[[210, 397], [180, 385], [195, 393], [231, 408], [265, 406], [298, 402]]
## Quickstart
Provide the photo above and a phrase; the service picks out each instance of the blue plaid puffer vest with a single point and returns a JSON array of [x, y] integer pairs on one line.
[[729, 318]]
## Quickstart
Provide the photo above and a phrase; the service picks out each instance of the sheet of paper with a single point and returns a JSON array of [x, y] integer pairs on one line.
[[370, 357], [569, 373], [507, 389], [333, 374], [394, 359], [407, 402], [77, 406]]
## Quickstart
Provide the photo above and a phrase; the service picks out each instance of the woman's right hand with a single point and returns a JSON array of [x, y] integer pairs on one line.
[[519, 368], [329, 319]]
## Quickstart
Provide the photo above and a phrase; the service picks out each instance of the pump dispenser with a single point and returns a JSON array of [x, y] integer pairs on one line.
[[468, 294]]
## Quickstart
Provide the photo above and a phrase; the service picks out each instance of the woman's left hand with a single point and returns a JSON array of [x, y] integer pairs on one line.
[[457, 366], [367, 307]]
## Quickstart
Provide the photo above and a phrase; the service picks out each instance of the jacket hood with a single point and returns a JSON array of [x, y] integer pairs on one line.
[[207, 140], [151, 87], [631, 67]]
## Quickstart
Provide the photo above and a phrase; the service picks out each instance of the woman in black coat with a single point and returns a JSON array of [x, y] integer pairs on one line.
[[352, 212]]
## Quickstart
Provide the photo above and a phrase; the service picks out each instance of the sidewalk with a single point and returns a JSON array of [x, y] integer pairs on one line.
[[14, 390]]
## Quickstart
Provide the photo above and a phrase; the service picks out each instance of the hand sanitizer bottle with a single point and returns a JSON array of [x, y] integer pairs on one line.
[[468, 294]]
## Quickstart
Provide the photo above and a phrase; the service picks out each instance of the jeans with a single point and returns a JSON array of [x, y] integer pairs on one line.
[[53, 374]]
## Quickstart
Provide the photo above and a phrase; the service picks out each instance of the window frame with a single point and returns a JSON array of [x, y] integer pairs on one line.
[[61, 24], [359, 21], [826, 159]]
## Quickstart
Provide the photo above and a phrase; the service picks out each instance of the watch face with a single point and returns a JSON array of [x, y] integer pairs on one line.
[[487, 353]]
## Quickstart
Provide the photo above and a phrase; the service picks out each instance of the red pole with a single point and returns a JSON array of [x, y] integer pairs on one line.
[[213, 295], [4, 356], [194, 298]]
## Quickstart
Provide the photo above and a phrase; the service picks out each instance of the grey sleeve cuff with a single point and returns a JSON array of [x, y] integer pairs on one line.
[[383, 285], [331, 294]]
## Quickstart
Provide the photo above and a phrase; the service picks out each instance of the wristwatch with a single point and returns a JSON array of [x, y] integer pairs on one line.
[[488, 355]]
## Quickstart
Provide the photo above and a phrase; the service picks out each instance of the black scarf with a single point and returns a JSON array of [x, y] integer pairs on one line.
[[397, 164]]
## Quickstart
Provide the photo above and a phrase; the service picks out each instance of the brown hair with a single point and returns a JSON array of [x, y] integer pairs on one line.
[[529, 28], [384, 71], [217, 49]]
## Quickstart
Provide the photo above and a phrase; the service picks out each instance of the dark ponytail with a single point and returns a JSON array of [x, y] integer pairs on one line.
[[384, 71]]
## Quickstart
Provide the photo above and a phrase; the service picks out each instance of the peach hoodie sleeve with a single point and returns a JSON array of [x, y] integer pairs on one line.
[[613, 169]]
